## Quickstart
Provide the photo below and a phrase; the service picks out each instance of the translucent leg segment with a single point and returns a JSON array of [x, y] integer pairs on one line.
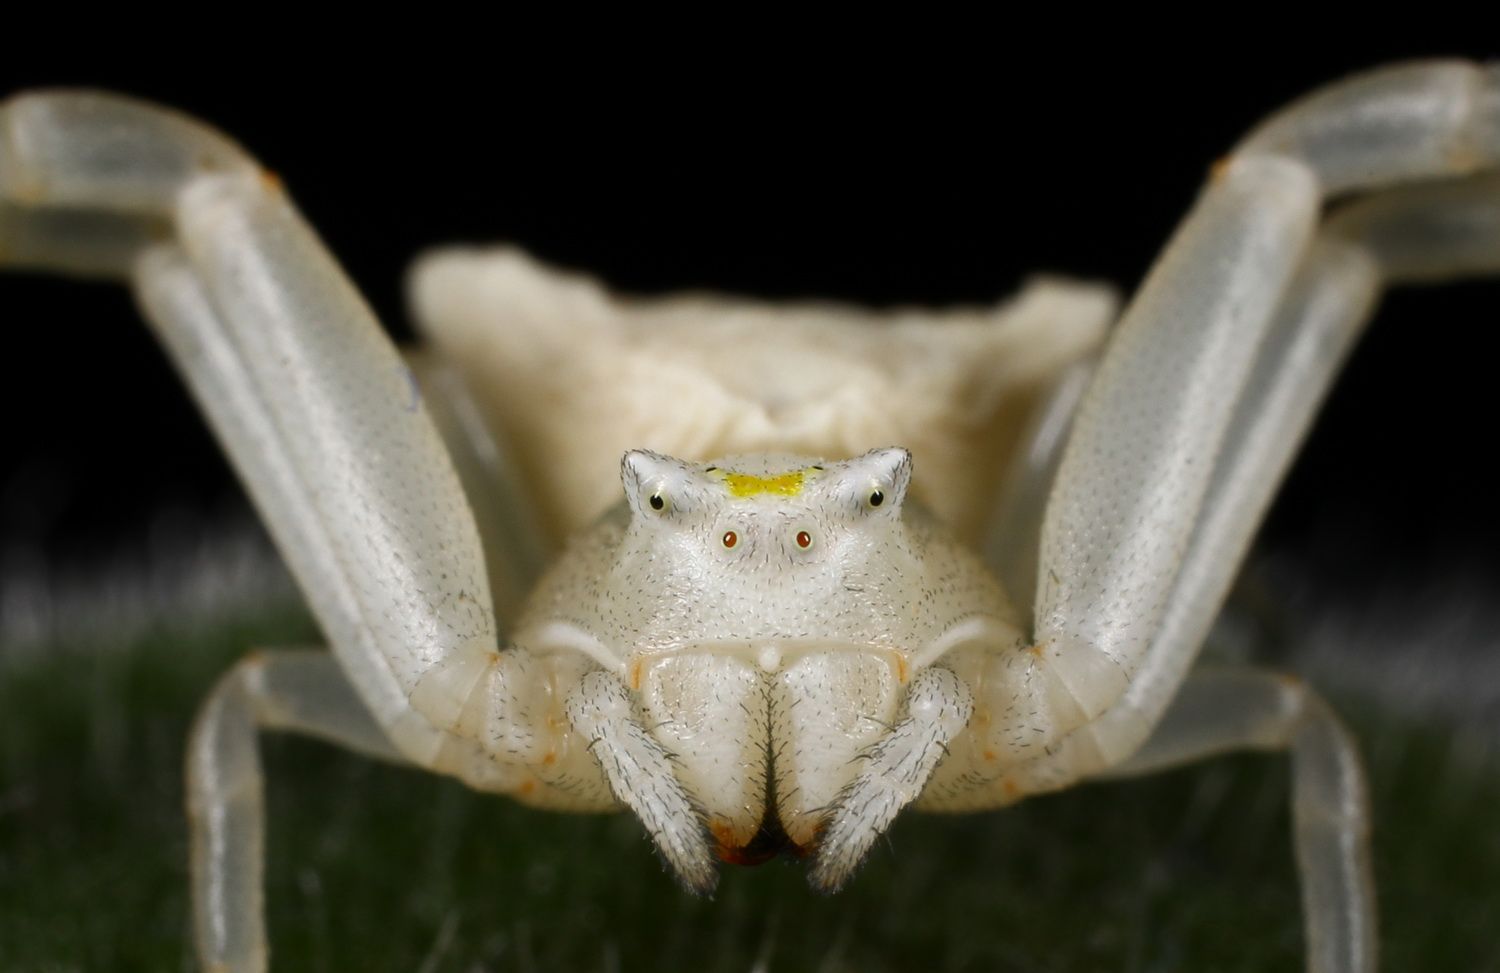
[[302, 692], [1221, 711]]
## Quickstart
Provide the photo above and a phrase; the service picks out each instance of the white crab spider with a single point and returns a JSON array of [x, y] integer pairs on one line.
[[1174, 452]]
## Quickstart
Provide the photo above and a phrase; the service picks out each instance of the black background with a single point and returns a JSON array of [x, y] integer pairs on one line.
[[882, 182]]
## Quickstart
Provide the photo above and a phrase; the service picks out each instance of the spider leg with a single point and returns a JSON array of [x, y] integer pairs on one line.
[[1207, 385], [300, 691], [1120, 524], [81, 243], [321, 417], [1219, 711], [1195, 414], [514, 548], [1407, 235], [1013, 540]]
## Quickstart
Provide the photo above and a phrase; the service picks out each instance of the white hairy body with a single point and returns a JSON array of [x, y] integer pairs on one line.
[[756, 653]]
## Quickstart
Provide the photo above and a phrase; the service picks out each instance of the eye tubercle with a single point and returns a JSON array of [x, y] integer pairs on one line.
[[888, 472], [653, 482]]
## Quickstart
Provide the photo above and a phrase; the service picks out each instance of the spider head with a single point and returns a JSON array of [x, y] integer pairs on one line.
[[771, 515], [764, 546]]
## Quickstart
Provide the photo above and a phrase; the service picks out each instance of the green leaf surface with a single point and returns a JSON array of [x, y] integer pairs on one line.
[[377, 868]]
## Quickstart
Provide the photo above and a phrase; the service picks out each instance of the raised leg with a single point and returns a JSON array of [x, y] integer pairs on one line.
[[302, 692], [1014, 541], [1194, 416], [329, 431], [1221, 711], [1413, 234], [1322, 315], [515, 550], [320, 415], [1154, 494]]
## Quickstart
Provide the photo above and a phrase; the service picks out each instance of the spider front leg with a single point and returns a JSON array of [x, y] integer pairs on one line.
[[1196, 410], [328, 430]]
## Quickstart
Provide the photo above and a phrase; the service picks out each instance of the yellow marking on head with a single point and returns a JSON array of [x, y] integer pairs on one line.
[[748, 485]]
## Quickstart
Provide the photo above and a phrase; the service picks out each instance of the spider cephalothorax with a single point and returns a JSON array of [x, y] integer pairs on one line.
[[768, 614]]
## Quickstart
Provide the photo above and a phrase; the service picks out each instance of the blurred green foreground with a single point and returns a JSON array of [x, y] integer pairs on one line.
[[377, 868]]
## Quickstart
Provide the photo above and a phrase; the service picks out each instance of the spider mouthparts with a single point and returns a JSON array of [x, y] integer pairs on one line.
[[769, 842]]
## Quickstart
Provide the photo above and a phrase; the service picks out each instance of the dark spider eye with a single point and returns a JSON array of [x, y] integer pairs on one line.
[[876, 498], [804, 539], [657, 502], [730, 538]]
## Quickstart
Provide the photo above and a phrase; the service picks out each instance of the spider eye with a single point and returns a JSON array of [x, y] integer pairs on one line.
[[804, 539], [657, 502], [876, 498], [730, 538]]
